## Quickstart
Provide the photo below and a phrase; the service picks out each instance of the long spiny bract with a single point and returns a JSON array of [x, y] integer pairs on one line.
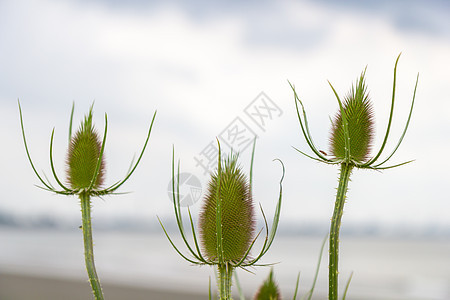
[[84, 152], [237, 214], [357, 108]]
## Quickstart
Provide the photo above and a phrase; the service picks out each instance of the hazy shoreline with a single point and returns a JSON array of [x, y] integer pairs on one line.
[[25, 286], [142, 263]]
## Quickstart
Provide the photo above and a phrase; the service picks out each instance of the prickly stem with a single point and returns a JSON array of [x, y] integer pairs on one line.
[[344, 178], [225, 280], [88, 246]]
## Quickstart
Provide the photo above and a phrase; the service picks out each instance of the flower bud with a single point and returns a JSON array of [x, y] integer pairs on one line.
[[237, 215], [268, 290], [84, 151], [358, 112]]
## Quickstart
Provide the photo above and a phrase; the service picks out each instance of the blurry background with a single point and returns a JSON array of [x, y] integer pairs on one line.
[[214, 69]]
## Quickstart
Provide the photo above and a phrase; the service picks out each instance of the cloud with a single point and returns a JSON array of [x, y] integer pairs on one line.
[[430, 17]]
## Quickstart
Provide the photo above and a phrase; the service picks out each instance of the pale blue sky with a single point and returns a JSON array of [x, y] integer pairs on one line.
[[200, 64]]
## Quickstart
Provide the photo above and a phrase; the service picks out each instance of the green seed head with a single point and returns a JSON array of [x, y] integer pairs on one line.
[[84, 151], [358, 111], [237, 216], [268, 290]]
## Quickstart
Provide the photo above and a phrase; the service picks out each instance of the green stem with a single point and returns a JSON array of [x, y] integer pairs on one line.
[[225, 279], [88, 246], [344, 178]]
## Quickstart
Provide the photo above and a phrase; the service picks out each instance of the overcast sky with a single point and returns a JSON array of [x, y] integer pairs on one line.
[[203, 67]]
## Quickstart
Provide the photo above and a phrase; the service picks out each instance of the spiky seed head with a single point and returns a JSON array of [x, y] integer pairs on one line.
[[359, 114], [84, 151], [237, 213], [268, 290]]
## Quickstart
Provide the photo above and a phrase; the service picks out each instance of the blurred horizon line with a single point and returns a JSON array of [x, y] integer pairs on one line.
[[286, 227]]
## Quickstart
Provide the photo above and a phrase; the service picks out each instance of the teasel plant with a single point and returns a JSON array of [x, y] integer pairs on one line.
[[351, 141], [226, 223], [269, 289], [85, 165]]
